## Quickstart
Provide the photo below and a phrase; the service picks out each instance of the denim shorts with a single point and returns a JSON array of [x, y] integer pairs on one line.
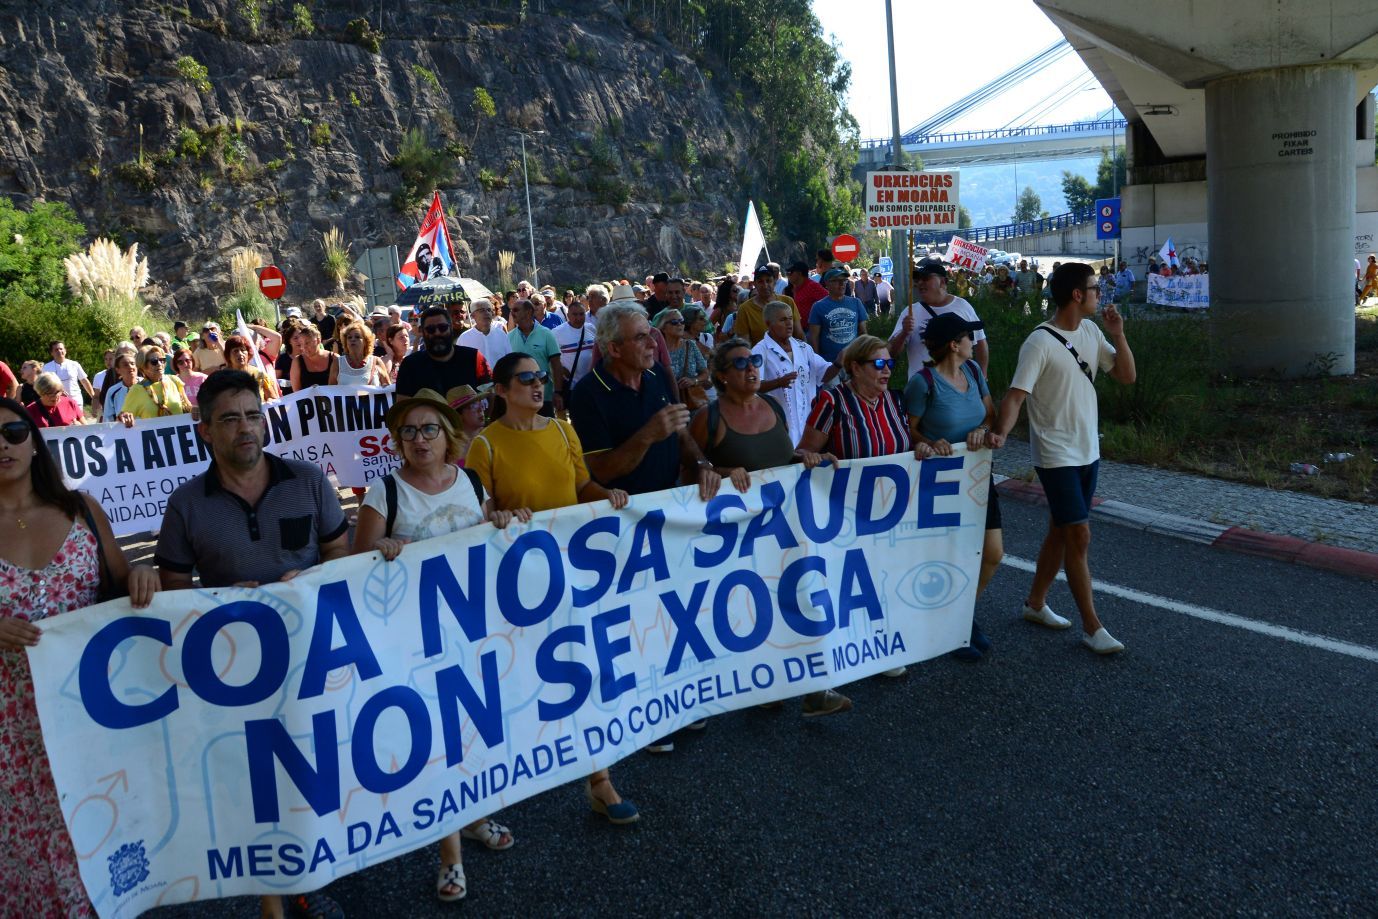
[[1069, 490]]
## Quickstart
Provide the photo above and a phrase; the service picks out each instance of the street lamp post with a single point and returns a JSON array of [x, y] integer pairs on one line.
[[530, 225], [899, 248]]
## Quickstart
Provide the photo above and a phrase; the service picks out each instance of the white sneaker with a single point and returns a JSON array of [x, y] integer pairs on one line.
[[1045, 617], [895, 672], [1102, 642]]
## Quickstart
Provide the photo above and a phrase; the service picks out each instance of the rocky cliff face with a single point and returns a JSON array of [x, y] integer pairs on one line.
[[202, 129]]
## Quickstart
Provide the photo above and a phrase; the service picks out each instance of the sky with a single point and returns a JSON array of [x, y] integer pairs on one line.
[[942, 58]]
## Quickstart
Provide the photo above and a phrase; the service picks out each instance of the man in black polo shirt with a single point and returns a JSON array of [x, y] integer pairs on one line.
[[630, 422], [251, 518], [660, 294], [440, 364]]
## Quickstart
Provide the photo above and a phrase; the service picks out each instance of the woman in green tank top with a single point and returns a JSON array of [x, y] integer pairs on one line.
[[743, 432]]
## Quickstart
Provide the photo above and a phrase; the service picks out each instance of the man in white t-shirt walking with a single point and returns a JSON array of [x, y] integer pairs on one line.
[[485, 336], [1056, 374], [71, 373], [930, 280]]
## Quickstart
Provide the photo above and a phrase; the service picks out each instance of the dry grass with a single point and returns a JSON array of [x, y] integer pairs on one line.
[[106, 274], [335, 260]]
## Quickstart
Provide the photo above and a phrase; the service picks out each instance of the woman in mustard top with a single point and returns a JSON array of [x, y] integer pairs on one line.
[[159, 393], [528, 462]]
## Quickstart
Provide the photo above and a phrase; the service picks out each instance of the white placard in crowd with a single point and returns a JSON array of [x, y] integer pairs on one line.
[[963, 254], [1188, 291], [269, 740], [133, 471], [901, 200]]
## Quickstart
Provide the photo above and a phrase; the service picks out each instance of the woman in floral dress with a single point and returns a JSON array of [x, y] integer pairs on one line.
[[49, 567]]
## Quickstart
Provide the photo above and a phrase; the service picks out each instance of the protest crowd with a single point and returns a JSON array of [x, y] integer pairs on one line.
[[525, 401]]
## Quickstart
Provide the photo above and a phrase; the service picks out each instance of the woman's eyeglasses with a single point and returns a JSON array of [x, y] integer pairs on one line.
[[882, 363], [674, 322], [408, 432], [14, 432], [741, 363], [527, 377]]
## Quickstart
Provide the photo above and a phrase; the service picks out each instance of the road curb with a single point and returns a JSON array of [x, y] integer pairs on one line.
[[1292, 549]]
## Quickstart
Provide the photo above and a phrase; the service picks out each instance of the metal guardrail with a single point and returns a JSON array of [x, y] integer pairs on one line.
[[985, 235], [959, 137]]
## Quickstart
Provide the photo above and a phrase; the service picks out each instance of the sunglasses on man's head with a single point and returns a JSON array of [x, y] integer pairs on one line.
[[527, 377], [14, 432], [741, 363], [882, 363]]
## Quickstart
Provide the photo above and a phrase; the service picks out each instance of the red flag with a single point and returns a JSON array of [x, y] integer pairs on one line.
[[430, 255]]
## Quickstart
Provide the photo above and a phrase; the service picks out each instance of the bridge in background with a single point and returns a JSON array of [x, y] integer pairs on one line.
[[1002, 145]]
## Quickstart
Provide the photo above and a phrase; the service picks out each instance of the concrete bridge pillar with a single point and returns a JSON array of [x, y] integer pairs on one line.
[[1280, 185]]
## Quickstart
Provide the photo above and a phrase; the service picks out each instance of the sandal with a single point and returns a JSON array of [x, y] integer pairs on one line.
[[491, 834], [451, 878]]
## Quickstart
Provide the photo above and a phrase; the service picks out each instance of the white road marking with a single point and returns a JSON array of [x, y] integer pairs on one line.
[[1363, 652]]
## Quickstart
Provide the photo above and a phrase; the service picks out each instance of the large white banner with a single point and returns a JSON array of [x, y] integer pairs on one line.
[[267, 740], [901, 200], [133, 471], [1188, 291]]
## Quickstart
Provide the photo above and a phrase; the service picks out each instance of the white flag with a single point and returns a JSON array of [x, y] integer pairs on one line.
[[753, 241], [241, 327], [1168, 254]]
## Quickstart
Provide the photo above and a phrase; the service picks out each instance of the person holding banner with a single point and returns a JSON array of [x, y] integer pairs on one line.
[[428, 496], [63, 557], [356, 365], [530, 462], [862, 417], [949, 403], [158, 394], [251, 518], [740, 432]]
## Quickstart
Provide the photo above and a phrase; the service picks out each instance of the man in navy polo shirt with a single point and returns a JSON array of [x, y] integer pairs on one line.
[[631, 423], [251, 518]]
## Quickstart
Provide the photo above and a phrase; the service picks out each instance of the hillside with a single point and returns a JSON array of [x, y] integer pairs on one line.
[[198, 130]]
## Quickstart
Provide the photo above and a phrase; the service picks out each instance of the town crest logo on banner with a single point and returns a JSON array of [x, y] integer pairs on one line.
[[431, 254]]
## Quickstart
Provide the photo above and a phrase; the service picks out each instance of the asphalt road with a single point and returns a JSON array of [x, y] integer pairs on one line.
[[1208, 769]]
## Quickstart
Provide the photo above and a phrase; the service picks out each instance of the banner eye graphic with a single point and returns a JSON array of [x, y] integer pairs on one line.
[[933, 585]]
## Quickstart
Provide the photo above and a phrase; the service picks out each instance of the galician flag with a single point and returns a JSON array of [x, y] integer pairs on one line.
[[1168, 254], [430, 255], [753, 241]]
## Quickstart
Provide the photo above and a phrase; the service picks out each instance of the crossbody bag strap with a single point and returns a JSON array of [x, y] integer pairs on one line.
[[390, 498], [574, 368], [1085, 369]]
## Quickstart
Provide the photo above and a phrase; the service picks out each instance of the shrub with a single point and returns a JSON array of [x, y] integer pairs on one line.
[[302, 23], [335, 257], [320, 134], [610, 191], [490, 180], [359, 32], [194, 72], [422, 167], [427, 76], [139, 173]]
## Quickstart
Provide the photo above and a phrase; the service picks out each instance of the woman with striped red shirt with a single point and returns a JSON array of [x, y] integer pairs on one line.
[[863, 417]]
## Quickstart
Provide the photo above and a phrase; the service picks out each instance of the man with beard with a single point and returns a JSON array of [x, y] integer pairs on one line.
[[440, 364]]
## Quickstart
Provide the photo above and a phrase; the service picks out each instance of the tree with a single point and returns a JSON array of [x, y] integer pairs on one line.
[[1110, 174], [1028, 207], [1077, 191], [963, 217]]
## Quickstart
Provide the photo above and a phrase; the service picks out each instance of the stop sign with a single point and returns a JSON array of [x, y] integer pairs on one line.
[[846, 248], [272, 282]]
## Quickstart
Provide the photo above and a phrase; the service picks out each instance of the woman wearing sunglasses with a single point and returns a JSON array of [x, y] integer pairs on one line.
[[158, 394], [60, 554], [862, 417], [184, 367], [529, 462], [743, 432], [686, 361], [432, 497]]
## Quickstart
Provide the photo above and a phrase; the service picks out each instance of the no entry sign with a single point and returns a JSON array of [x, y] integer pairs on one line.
[[846, 248], [272, 282]]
